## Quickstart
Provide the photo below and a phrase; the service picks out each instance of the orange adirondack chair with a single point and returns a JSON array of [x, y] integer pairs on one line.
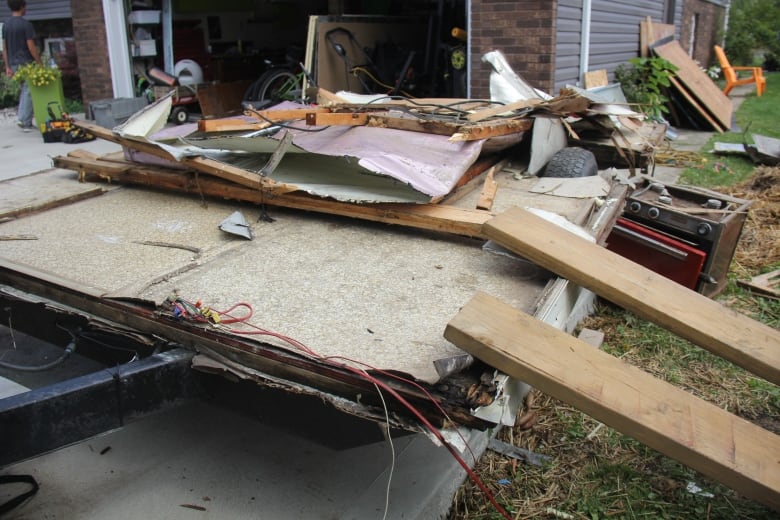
[[733, 77]]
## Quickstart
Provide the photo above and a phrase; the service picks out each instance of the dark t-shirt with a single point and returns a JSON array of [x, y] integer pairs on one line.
[[16, 32]]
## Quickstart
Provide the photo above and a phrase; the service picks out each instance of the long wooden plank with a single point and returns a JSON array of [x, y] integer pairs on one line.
[[231, 125], [492, 129], [697, 82], [705, 322], [337, 118], [723, 446], [486, 113], [436, 217]]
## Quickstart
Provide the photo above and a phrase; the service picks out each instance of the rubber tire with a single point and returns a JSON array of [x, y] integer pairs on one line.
[[272, 81], [180, 115], [572, 162]]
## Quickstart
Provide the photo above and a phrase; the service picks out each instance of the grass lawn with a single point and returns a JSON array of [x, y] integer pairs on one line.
[[599, 473]]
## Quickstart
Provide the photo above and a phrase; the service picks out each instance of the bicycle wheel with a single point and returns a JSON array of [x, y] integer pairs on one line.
[[280, 85]]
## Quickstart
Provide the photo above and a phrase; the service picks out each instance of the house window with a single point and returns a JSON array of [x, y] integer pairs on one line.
[[54, 47]]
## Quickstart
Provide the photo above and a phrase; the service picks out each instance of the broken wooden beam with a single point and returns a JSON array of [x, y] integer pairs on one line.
[[481, 115], [231, 125], [490, 129], [291, 114], [447, 219], [767, 284], [699, 434], [488, 193], [724, 332], [337, 118]]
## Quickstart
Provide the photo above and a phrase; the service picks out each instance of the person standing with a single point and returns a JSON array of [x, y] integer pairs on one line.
[[19, 49]]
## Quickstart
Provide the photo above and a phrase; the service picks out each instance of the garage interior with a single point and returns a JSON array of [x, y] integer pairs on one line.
[[415, 47]]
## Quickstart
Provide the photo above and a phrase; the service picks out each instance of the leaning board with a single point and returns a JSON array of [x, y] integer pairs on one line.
[[723, 446], [697, 82], [733, 336]]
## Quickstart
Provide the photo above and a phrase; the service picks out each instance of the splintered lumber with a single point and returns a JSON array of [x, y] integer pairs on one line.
[[705, 322], [767, 284], [435, 217], [720, 445], [201, 164], [493, 111], [472, 178], [488, 194], [490, 129]]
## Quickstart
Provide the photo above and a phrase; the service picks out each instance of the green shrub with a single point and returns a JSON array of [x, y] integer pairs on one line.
[[644, 81], [9, 90]]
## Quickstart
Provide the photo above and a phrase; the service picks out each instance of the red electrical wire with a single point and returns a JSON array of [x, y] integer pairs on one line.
[[368, 377]]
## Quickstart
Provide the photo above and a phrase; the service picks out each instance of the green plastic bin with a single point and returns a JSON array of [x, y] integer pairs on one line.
[[42, 96]]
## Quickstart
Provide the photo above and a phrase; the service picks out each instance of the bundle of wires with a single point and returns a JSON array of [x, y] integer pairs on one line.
[[185, 310]]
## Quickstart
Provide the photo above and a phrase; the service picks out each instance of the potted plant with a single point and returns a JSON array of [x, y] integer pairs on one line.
[[45, 84]]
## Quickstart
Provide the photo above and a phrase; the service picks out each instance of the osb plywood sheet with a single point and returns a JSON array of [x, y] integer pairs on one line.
[[369, 292], [378, 294], [697, 82]]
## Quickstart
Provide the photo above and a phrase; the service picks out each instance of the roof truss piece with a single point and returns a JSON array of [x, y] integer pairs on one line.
[[705, 322], [436, 217], [374, 116], [723, 446], [463, 121]]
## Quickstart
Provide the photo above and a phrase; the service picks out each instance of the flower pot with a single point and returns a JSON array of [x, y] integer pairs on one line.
[[42, 96]]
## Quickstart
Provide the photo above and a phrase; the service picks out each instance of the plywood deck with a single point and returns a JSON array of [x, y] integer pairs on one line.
[[371, 292]]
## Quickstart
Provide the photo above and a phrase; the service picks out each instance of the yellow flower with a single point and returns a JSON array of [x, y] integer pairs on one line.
[[37, 75]]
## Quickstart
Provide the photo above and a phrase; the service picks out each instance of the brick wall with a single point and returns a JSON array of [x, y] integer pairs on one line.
[[524, 31], [709, 23], [89, 31]]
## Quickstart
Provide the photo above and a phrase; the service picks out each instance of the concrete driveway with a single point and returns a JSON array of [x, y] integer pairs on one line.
[[25, 152]]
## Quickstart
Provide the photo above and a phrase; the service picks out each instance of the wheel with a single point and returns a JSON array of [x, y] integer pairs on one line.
[[179, 115], [280, 85], [572, 162]]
